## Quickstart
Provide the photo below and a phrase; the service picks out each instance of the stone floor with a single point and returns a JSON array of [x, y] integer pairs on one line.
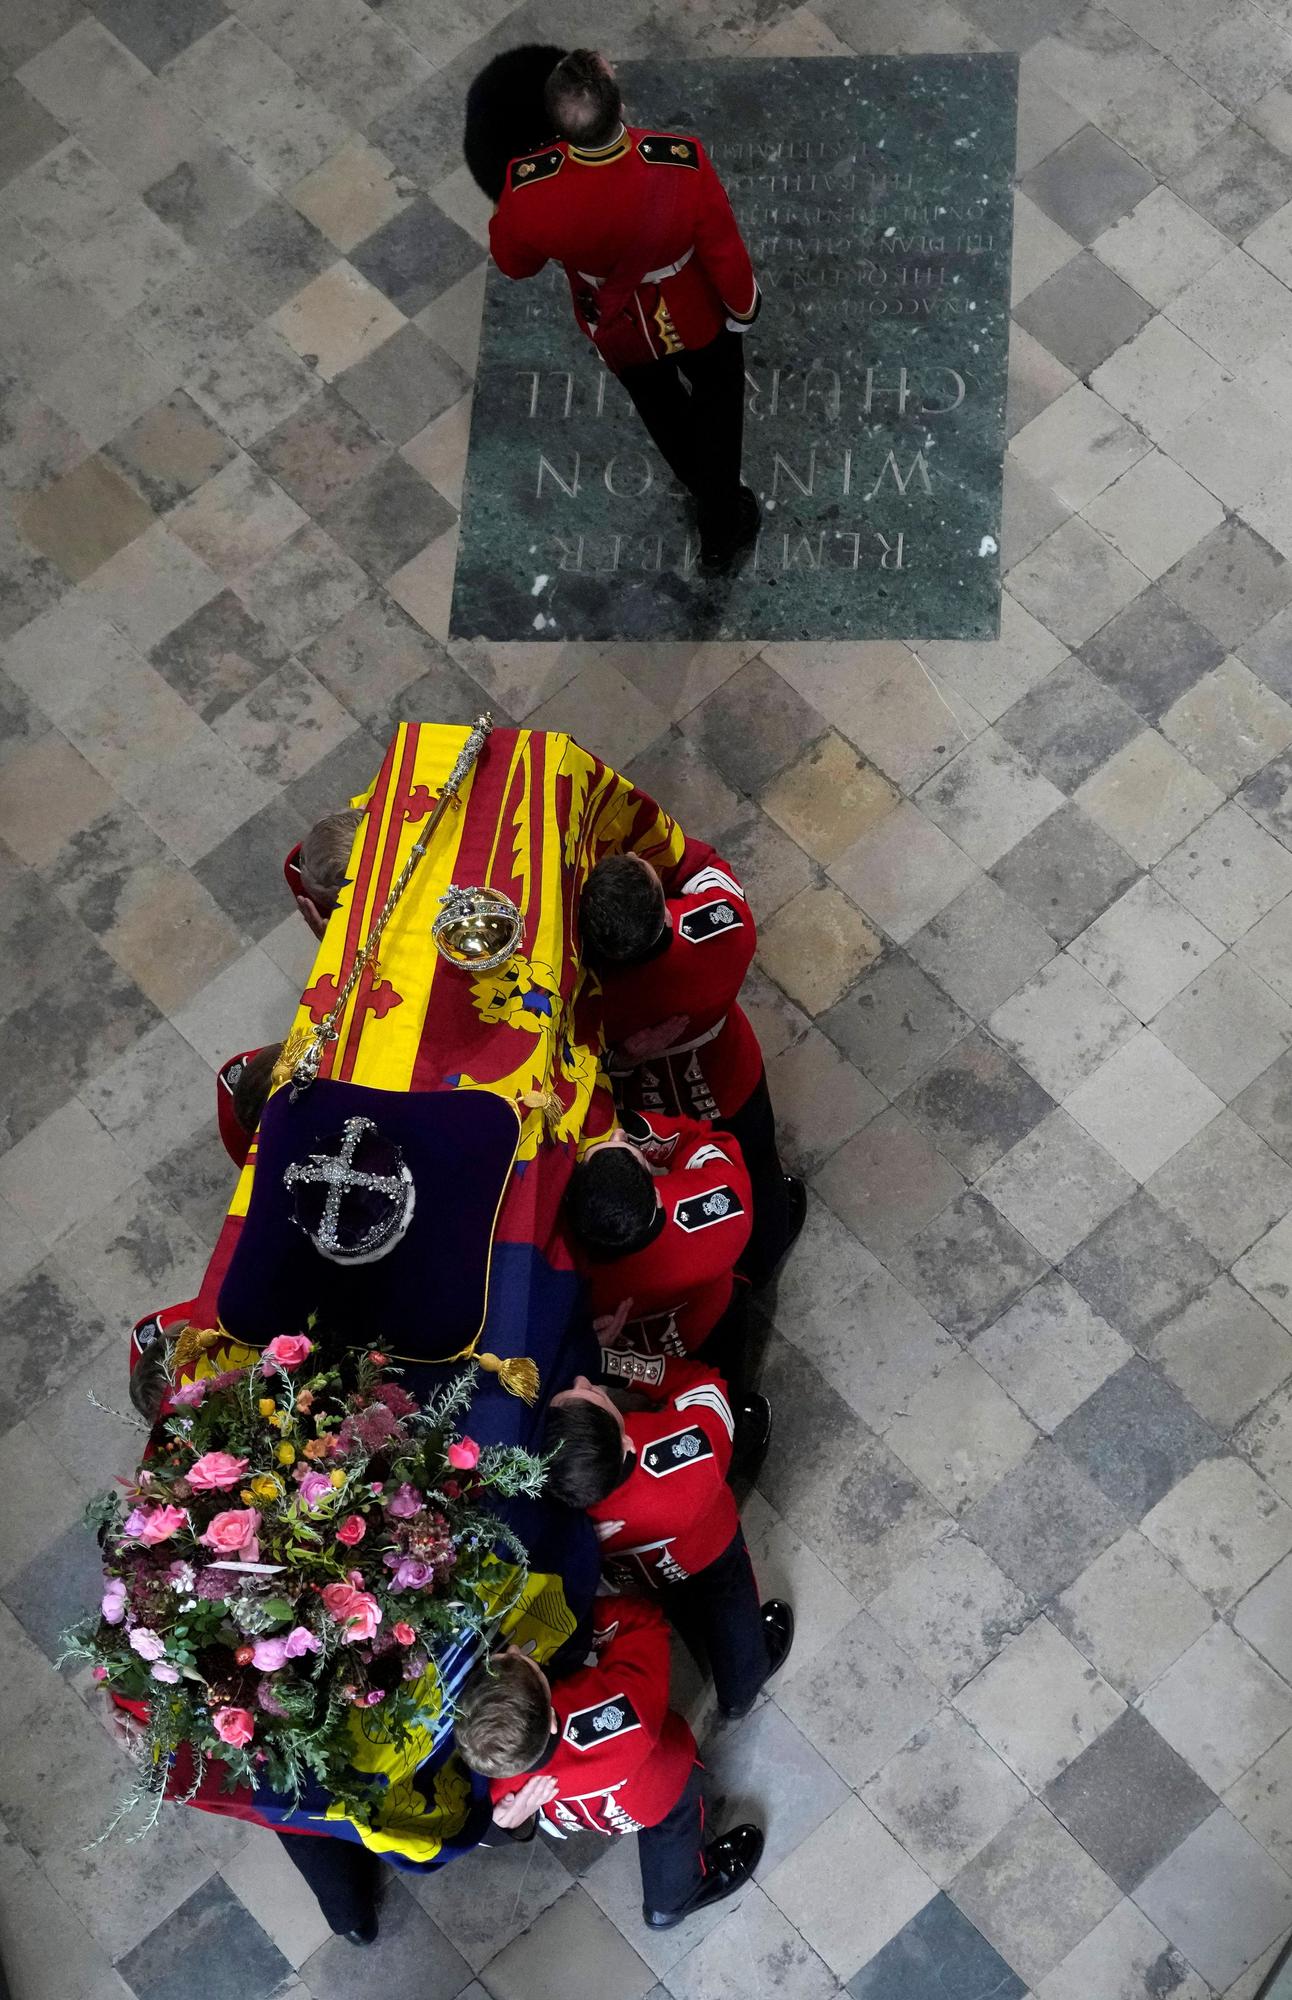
[[1025, 986]]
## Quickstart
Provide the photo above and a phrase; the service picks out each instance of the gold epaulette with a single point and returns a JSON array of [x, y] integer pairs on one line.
[[665, 149], [537, 167]]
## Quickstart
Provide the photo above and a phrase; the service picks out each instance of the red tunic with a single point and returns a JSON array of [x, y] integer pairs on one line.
[[292, 872], [715, 1063], [681, 1282], [675, 1513], [237, 1143], [621, 1756], [145, 1331], [644, 229]]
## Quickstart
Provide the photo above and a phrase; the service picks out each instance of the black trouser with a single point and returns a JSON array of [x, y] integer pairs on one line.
[[718, 1613], [671, 1855], [754, 1125], [342, 1875], [726, 1349], [699, 434]]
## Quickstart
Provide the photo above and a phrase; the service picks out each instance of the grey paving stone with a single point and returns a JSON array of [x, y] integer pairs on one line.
[[1130, 1799], [1065, 873], [1266, 1105], [1232, 582], [1056, 1185], [1152, 652], [860, 1701], [388, 518], [274, 254], [1225, 1353], [753, 726], [415, 1955], [967, 1265], [154, 31], [27, 131], [1083, 313], [52, 1592], [206, 195], [211, 1944], [403, 384], [245, 872], [1227, 1186], [983, 946], [321, 452], [1237, 181], [1269, 652], [170, 451], [218, 655], [1087, 184], [938, 1955], [415, 256], [894, 1023], [1131, 1613], [887, 1182], [198, 1178], [1228, 1026], [1139, 1269], [1033, 1892], [1220, 1898], [1136, 1437], [975, 1103]]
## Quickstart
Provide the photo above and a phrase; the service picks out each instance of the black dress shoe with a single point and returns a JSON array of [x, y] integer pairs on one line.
[[753, 1435], [730, 1860], [778, 1635], [796, 1203], [723, 539], [365, 1931]]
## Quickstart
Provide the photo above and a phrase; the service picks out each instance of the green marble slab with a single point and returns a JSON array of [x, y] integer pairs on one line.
[[875, 196]]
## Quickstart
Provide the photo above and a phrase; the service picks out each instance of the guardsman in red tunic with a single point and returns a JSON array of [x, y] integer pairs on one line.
[[151, 1340], [672, 954], [601, 1751], [654, 1482], [660, 277], [241, 1092]]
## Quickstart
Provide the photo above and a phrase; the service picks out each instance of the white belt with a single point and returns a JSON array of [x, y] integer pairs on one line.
[[620, 1068], [649, 277]]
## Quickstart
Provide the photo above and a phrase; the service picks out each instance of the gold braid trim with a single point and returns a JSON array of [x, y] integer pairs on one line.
[[518, 1374]]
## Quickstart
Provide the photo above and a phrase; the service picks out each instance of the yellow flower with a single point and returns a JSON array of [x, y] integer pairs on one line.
[[265, 1486], [286, 1454], [246, 1495], [266, 1406], [337, 1477]]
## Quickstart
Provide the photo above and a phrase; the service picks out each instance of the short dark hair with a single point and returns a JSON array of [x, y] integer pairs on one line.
[[583, 99], [621, 911], [325, 857], [589, 1459], [251, 1091], [503, 1718], [611, 1202]]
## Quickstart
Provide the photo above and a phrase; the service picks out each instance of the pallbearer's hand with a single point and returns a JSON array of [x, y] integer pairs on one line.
[[609, 1326], [648, 1042], [515, 1808]]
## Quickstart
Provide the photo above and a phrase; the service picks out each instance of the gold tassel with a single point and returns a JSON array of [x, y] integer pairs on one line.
[[518, 1375], [292, 1051], [548, 1103], [194, 1342]]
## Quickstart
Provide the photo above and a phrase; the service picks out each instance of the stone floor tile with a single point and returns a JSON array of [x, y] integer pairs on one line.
[[678, 678], [252, 385], [1269, 512], [1154, 514], [152, 1097], [903, 871], [1219, 1897], [1235, 55], [1226, 1353], [256, 104], [273, 254], [950, 1611], [786, 1567], [352, 194], [284, 725], [49, 1953], [1227, 1186], [1271, 116], [244, 872], [1051, 1351], [1263, 1619], [1075, 581], [85, 517], [1268, 797], [1233, 582], [982, 947], [959, 1433], [1057, 1185], [1044, 1522], [1228, 872], [363, 70], [990, 675], [51, 1592], [150, 586], [50, 794], [1124, 1958], [1233, 443], [236, 519], [1269, 243], [1087, 183], [321, 451], [600, 706], [944, 1795], [1230, 724], [887, 1182], [1083, 313], [49, 1499], [51, 1326], [197, 1176], [1263, 1271], [383, 521], [895, 1021], [938, 1955], [1228, 1026], [34, 1180], [1029, 512], [29, 130], [753, 1949], [1036, 379], [374, 655], [1131, 1613], [1033, 1892], [817, 1888], [453, 320], [217, 656], [1145, 948], [105, 384], [412, 1952], [1238, 180], [1040, 248], [1234, 310], [1136, 1437], [1257, 1801], [266, 1883], [820, 1100], [251, 994], [1045, 119], [1069, 724], [337, 320], [1078, 446], [1266, 1106], [1142, 1104], [1161, 246], [1130, 1799], [1159, 379], [816, 947], [975, 1104], [1269, 655], [967, 1265], [402, 386], [192, 322], [303, 588], [860, 1703], [415, 256], [206, 195], [987, 799], [1223, 1526], [1139, 1269], [882, 699], [1152, 654], [1066, 873], [1039, 1704], [767, 1771], [752, 725], [829, 798]]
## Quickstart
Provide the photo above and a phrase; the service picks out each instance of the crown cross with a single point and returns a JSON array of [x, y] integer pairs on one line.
[[340, 1177]]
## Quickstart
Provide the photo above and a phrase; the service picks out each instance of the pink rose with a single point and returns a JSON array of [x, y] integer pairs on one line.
[[163, 1671], [315, 1486], [404, 1502], [214, 1471], [149, 1645], [114, 1600], [161, 1523], [301, 1640], [287, 1351], [187, 1396], [403, 1634], [235, 1726], [463, 1456], [355, 1610], [411, 1573], [352, 1530], [233, 1534], [269, 1655], [98, 1673]]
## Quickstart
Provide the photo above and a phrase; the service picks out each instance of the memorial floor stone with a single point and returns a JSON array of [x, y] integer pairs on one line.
[[874, 195]]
